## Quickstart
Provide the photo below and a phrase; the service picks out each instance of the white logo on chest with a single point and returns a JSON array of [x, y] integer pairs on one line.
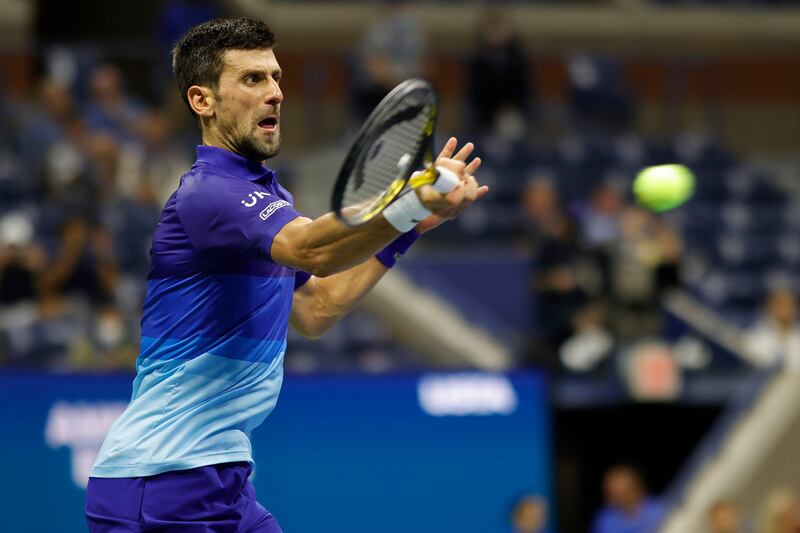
[[254, 198]]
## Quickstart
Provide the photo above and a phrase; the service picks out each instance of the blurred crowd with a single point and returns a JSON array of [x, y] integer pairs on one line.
[[85, 167], [629, 507]]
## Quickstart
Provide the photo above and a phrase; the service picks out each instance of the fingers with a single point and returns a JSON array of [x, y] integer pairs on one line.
[[449, 148], [450, 205], [471, 186], [473, 166], [463, 154]]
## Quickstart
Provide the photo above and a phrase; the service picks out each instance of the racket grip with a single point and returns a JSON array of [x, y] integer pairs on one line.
[[447, 180]]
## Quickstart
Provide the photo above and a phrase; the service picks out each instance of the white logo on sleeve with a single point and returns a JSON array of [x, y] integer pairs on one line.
[[271, 208]]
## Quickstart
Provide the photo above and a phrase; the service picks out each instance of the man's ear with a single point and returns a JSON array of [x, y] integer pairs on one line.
[[202, 100]]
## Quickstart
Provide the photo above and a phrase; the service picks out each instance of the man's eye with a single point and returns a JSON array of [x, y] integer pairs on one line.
[[251, 78]]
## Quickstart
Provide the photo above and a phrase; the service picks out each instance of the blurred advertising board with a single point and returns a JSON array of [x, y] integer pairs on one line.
[[356, 453]]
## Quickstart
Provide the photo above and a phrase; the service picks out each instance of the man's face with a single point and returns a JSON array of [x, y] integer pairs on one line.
[[247, 114]]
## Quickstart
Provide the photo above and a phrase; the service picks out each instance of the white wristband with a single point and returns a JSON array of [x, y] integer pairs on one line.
[[406, 212]]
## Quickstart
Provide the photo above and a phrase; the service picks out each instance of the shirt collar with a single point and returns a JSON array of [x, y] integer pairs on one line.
[[233, 163]]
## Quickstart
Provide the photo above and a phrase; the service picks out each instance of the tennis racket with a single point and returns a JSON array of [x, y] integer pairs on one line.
[[394, 143]]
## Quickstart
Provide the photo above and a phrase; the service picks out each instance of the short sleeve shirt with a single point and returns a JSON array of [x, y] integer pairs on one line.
[[214, 324]]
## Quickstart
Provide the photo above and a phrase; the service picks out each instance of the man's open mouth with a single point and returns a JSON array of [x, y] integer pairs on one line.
[[269, 123]]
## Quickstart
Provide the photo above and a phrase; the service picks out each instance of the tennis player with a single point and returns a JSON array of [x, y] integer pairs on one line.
[[232, 264]]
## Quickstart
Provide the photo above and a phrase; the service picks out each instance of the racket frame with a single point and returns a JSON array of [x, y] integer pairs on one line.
[[364, 141]]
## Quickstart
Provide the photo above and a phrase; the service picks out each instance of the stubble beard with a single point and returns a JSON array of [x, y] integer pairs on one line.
[[254, 150], [251, 144]]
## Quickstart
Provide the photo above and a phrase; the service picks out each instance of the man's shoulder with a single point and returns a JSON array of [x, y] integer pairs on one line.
[[204, 186]]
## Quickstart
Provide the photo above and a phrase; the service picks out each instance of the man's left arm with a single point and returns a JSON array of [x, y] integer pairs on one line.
[[321, 302]]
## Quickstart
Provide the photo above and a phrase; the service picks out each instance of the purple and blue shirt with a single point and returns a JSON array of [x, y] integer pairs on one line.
[[214, 325]]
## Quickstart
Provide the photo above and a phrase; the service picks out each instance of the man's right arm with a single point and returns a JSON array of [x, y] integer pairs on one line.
[[326, 246]]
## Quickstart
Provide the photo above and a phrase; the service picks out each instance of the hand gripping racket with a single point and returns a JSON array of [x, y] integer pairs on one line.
[[393, 144]]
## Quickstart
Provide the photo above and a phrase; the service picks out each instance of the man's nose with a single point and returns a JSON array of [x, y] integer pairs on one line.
[[274, 96]]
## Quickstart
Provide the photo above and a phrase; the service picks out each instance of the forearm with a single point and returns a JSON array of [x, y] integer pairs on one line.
[[323, 301], [326, 246]]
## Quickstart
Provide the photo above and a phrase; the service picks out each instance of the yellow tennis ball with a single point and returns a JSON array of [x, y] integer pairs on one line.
[[663, 187]]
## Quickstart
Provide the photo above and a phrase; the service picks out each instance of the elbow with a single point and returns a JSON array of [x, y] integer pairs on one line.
[[311, 259], [314, 329], [321, 265], [320, 318], [322, 271], [296, 246]]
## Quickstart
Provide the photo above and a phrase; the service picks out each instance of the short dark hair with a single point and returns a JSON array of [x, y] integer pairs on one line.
[[197, 58]]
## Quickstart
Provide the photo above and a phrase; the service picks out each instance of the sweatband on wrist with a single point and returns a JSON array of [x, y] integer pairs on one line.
[[406, 212], [388, 256]]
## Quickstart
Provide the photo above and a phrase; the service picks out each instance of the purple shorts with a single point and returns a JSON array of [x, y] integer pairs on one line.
[[209, 499]]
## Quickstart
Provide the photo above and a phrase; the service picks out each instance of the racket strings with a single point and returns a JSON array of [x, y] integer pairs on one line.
[[387, 158], [394, 142]]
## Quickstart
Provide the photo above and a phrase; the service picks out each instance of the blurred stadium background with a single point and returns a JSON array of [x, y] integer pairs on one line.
[[574, 330]]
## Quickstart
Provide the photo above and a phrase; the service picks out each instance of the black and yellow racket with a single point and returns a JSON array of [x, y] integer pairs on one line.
[[394, 143]]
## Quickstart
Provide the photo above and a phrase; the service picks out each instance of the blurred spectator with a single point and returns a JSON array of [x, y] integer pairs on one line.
[[529, 515], [84, 263], [50, 136], [15, 182], [725, 517], [110, 108], [643, 262], [780, 513], [590, 342], [598, 92], [154, 166], [600, 219], [628, 509], [774, 341], [43, 335], [498, 72], [391, 51], [126, 216], [22, 260], [107, 343], [541, 208], [556, 259]]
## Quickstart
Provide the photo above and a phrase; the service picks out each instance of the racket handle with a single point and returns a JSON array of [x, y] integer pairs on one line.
[[447, 180]]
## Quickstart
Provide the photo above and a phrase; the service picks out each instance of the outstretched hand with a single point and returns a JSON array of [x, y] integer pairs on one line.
[[452, 204]]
